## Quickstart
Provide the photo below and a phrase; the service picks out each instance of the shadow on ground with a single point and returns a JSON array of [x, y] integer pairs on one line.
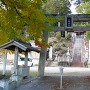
[[53, 83]]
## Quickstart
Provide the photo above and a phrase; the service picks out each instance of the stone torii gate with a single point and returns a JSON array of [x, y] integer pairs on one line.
[[75, 18]]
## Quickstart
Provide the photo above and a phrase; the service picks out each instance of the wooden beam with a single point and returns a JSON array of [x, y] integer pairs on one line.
[[87, 28], [76, 17], [81, 17]]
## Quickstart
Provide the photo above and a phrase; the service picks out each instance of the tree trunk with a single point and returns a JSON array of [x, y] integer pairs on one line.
[[42, 58]]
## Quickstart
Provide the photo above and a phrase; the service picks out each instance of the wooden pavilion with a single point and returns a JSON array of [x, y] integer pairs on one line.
[[17, 46]]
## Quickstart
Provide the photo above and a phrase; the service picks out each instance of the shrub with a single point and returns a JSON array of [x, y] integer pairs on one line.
[[58, 35], [68, 37]]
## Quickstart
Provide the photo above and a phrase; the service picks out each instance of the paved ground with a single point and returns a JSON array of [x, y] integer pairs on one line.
[[53, 83], [73, 79]]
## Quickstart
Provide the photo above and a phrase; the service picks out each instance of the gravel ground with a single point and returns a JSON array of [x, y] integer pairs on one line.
[[53, 83]]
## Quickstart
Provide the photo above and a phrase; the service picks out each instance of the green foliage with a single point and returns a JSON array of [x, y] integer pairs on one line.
[[81, 24], [51, 34], [19, 15], [60, 49], [58, 35], [88, 35], [60, 44], [57, 6], [84, 8], [67, 36]]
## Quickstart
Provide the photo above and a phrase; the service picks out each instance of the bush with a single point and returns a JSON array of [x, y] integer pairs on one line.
[[88, 35], [68, 37], [51, 34], [58, 35]]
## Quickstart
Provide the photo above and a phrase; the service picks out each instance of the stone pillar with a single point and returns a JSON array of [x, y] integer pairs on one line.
[[50, 53], [86, 53], [58, 24], [5, 61], [16, 61], [89, 52], [26, 59]]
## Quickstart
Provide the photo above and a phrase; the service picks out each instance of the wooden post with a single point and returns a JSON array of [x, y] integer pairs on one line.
[[16, 61], [26, 59], [5, 61], [42, 58]]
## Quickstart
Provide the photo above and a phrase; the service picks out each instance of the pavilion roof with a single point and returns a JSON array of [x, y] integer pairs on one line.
[[22, 46]]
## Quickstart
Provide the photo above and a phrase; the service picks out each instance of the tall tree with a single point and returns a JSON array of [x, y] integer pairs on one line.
[[18, 15], [84, 8], [57, 6]]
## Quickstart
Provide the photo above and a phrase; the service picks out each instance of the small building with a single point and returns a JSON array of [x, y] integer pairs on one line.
[[18, 72], [18, 46]]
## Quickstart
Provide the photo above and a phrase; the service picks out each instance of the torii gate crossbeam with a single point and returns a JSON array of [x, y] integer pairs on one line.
[[75, 18], [87, 28]]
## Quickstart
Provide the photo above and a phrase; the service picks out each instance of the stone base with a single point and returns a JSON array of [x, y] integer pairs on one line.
[[17, 79], [6, 84], [21, 71]]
